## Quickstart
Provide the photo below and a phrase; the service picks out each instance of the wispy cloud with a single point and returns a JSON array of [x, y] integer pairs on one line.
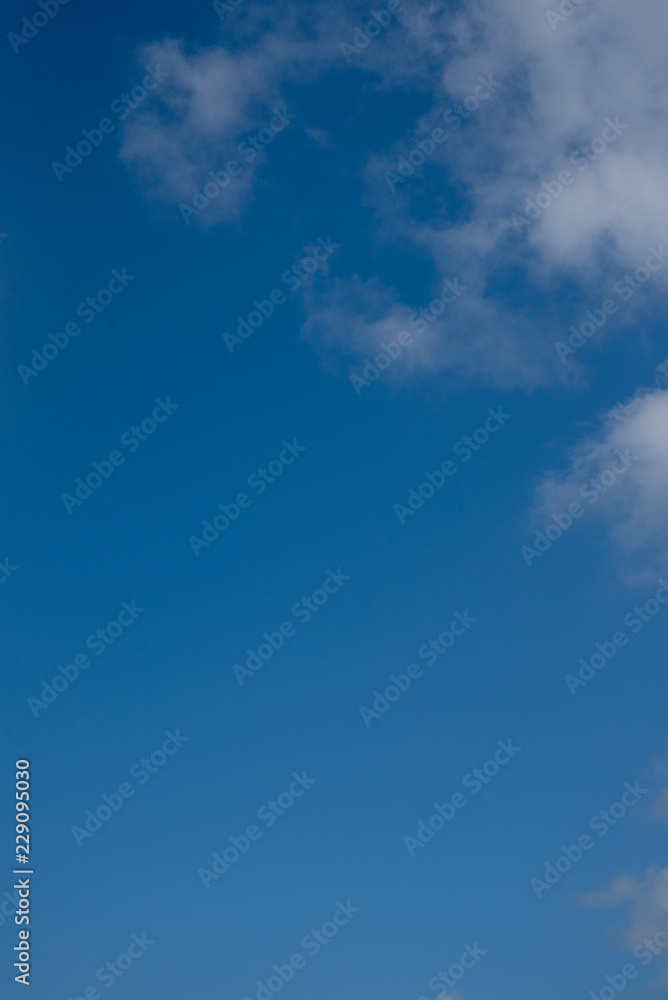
[[213, 96], [647, 899], [634, 511]]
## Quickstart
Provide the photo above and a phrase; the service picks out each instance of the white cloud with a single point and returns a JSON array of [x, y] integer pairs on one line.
[[211, 97], [647, 899], [206, 104], [370, 315], [632, 503], [558, 89]]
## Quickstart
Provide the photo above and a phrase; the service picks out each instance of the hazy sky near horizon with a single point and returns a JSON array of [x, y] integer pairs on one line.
[[335, 579]]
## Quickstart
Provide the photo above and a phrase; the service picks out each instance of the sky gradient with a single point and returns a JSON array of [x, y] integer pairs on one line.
[[335, 537]]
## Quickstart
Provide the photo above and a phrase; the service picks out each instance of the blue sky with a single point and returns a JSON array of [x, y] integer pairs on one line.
[[382, 409]]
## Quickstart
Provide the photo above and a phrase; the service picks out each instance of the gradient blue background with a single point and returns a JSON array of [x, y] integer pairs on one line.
[[333, 508]]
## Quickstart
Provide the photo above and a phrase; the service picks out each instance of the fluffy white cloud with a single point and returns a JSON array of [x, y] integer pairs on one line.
[[557, 86], [632, 493], [559, 91]]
